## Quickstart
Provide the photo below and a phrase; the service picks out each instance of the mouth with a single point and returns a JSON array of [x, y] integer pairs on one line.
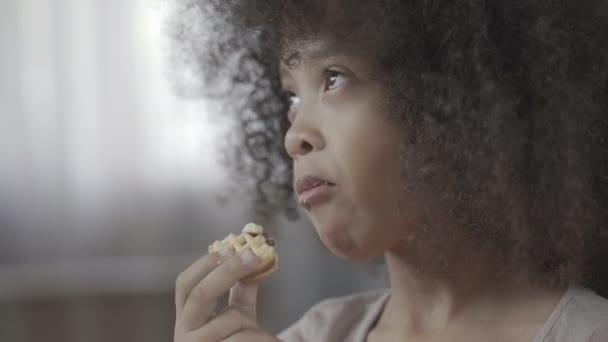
[[313, 190]]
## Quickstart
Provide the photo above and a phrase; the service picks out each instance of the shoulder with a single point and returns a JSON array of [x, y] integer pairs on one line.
[[587, 308], [317, 323], [590, 312], [582, 316]]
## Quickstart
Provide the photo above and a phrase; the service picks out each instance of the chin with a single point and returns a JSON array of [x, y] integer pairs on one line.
[[341, 243]]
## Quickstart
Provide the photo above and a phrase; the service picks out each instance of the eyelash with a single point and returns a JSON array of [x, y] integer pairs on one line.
[[330, 73]]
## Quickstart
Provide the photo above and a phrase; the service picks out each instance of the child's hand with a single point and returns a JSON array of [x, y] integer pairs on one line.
[[196, 294]]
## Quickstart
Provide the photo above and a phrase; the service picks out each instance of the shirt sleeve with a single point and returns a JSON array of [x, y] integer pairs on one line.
[[302, 330], [294, 333], [600, 335]]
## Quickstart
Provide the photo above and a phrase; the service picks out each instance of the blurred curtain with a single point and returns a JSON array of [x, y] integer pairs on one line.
[[109, 184], [88, 121]]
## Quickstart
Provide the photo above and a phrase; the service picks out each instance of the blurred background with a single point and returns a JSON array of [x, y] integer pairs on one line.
[[110, 184]]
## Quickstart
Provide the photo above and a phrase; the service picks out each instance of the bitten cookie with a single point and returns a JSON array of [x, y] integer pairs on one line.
[[253, 238]]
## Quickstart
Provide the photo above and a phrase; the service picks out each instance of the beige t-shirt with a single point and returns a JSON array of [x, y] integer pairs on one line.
[[579, 316]]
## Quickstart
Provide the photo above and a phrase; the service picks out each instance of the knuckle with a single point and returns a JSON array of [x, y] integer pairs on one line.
[[242, 319], [199, 295], [244, 305], [234, 266]]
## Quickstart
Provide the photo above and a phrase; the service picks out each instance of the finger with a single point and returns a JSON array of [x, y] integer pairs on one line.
[[215, 284], [188, 279], [225, 324], [251, 335], [243, 297]]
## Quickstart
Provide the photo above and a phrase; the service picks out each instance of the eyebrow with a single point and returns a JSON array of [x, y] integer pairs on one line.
[[318, 53], [322, 52]]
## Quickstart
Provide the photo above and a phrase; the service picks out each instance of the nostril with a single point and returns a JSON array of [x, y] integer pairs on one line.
[[305, 146]]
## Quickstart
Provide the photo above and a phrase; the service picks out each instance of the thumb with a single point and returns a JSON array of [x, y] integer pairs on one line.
[[244, 297]]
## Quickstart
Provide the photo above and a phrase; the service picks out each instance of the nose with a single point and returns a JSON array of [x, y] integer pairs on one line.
[[304, 135]]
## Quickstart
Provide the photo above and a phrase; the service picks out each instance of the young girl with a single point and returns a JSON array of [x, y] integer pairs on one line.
[[466, 141]]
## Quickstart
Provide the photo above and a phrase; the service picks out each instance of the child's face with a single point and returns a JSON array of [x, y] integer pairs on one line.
[[339, 134]]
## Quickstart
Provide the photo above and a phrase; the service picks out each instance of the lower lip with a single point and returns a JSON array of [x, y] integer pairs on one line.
[[315, 196]]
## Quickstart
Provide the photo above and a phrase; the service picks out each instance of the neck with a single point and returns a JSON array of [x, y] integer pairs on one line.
[[430, 294]]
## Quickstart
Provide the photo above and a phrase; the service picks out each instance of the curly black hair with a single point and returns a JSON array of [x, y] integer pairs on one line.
[[505, 103]]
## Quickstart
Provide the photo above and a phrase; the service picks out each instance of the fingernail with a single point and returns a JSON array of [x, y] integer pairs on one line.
[[248, 257], [224, 252]]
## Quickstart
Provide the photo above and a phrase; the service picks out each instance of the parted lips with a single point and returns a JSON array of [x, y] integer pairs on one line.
[[253, 238]]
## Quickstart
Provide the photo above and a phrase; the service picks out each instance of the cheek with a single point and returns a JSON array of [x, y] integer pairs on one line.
[[371, 199], [362, 222], [377, 204], [375, 180]]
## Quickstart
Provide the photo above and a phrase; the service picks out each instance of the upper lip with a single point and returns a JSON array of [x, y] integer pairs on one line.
[[308, 182]]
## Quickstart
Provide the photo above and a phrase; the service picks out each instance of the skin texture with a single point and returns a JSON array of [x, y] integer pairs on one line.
[[338, 131]]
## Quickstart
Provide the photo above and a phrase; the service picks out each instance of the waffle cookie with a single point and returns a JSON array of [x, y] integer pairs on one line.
[[253, 238]]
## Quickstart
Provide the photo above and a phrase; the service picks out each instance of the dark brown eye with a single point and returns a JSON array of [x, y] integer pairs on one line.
[[333, 79]]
